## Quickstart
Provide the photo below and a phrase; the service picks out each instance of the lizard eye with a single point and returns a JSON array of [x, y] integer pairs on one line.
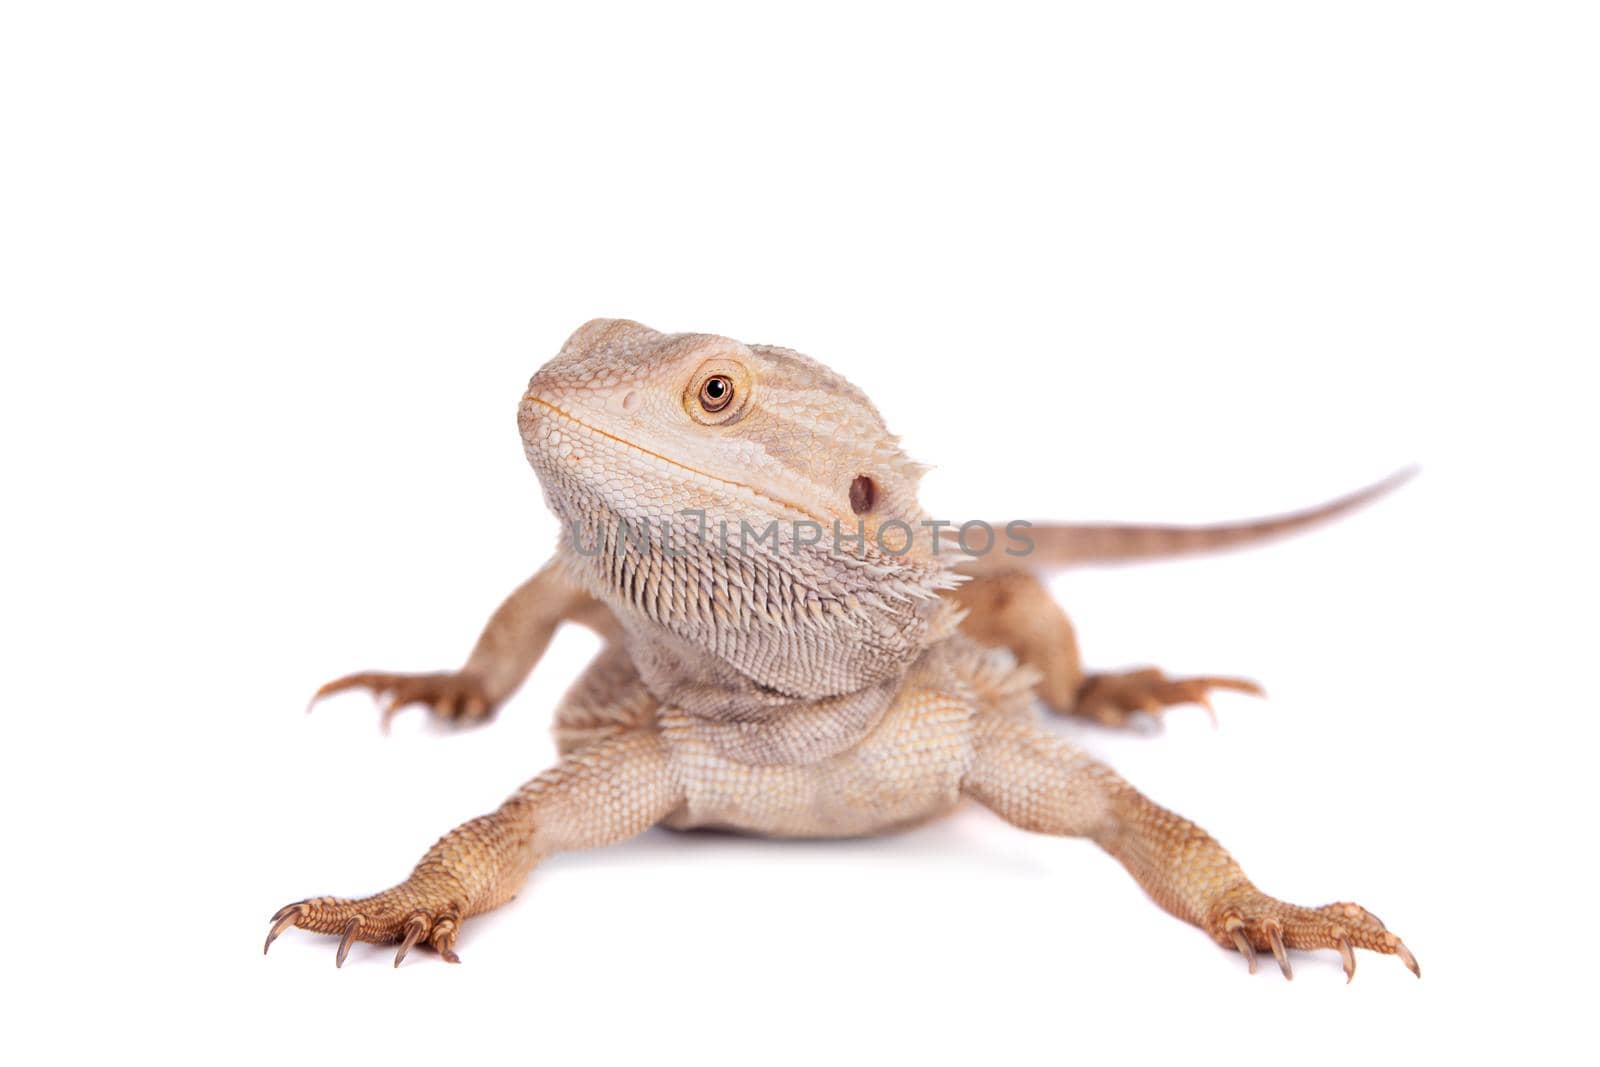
[[719, 393], [716, 392]]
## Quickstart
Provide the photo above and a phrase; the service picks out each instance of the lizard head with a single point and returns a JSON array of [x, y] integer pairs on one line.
[[741, 497]]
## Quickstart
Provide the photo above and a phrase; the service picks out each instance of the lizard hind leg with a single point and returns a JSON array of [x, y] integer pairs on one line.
[[1014, 609], [511, 644]]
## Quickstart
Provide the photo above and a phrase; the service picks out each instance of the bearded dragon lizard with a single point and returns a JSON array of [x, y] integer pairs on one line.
[[842, 673]]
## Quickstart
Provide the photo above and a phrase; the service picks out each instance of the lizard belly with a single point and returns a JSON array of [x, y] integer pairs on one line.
[[908, 768]]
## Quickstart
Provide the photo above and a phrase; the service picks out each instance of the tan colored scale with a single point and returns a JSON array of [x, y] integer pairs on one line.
[[796, 687]]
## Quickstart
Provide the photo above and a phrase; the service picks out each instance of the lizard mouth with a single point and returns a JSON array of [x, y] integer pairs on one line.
[[768, 498]]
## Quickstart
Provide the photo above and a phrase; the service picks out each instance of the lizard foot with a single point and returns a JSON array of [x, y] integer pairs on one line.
[[1111, 698], [400, 914], [1249, 920], [452, 695]]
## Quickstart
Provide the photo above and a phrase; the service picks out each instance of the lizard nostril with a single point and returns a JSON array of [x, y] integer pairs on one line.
[[630, 401]]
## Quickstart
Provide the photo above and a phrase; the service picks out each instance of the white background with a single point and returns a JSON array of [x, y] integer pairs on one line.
[[274, 276]]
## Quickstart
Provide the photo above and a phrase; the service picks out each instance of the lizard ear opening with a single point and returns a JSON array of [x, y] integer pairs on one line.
[[863, 494]]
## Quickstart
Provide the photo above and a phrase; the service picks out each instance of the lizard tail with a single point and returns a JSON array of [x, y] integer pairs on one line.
[[1072, 544]]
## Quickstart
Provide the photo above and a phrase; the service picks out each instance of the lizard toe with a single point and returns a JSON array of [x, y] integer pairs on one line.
[[1250, 921], [451, 696], [1112, 699], [390, 916]]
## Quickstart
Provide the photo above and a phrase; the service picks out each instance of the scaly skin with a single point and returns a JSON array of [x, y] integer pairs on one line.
[[793, 687]]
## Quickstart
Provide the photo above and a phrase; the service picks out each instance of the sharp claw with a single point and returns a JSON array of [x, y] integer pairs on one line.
[[1245, 948], [1238, 685], [338, 685], [1282, 957], [1347, 954], [444, 933], [297, 906], [351, 928], [391, 709], [1407, 958], [414, 930], [281, 921]]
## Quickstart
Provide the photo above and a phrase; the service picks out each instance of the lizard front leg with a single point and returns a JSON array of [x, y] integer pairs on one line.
[[512, 643], [1014, 609], [599, 795], [1036, 781]]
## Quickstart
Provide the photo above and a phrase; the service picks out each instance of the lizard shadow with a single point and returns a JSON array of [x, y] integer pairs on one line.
[[960, 840]]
